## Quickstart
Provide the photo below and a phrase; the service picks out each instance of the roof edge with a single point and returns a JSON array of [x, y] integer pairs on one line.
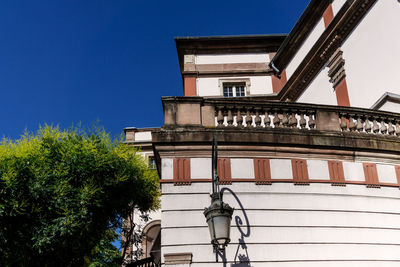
[[301, 30]]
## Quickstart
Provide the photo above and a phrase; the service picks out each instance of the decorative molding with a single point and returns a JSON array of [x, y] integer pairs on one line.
[[181, 171], [336, 173], [386, 97], [304, 26], [227, 45], [262, 171], [300, 172], [371, 175], [336, 71], [332, 38], [227, 68], [178, 258], [224, 171]]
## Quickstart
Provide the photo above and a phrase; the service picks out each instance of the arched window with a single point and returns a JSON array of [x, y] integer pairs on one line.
[[151, 242]]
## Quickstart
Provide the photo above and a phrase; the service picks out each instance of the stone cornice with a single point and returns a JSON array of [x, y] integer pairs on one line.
[[299, 33]]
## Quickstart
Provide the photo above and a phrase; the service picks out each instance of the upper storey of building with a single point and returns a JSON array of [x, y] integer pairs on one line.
[[229, 66], [339, 53]]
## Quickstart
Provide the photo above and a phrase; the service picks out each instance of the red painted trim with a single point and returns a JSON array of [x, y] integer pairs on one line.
[[190, 86], [277, 84], [300, 172], [397, 169], [181, 171], [342, 94], [371, 175], [262, 171], [314, 181], [224, 171], [328, 15], [336, 172]]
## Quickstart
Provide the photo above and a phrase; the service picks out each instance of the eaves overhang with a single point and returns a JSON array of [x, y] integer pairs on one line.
[[306, 23]]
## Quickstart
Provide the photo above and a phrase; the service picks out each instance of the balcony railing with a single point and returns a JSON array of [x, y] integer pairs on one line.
[[253, 113], [147, 262]]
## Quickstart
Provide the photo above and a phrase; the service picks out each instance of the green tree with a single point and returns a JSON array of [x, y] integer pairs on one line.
[[63, 193]]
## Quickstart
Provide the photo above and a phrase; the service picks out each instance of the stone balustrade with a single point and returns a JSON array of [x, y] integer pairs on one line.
[[258, 113]]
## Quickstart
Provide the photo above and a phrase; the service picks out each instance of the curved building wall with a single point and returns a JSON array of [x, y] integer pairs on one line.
[[296, 217]]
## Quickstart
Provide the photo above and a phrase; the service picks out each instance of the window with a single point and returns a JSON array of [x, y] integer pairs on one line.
[[234, 89], [152, 163]]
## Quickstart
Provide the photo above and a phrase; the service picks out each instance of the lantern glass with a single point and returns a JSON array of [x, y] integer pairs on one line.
[[222, 225], [219, 226]]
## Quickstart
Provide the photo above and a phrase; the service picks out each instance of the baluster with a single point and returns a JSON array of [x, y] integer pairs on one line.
[[293, 120], [360, 124], [303, 121], [220, 117], [397, 128], [352, 125], [343, 122], [239, 118], [383, 127], [276, 121], [375, 127], [267, 119], [249, 118], [391, 128], [311, 120], [229, 118], [285, 118], [257, 119], [367, 125]]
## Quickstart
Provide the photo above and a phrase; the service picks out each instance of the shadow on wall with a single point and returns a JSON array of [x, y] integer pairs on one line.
[[241, 256]]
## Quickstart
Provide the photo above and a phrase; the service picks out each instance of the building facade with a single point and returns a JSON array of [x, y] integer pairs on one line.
[[308, 127]]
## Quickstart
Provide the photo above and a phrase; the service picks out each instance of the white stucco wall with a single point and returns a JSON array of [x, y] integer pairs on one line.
[[210, 86], [336, 5], [305, 48], [232, 58], [143, 136], [320, 91], [372, 55], [390, 106], [316, 225]]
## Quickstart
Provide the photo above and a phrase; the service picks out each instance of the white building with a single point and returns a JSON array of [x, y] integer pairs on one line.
[[309, 161]]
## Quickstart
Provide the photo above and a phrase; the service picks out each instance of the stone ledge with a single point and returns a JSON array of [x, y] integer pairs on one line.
[[178, 258]]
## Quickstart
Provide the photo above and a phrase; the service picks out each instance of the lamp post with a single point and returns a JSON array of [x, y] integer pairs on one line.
[[218, 214]]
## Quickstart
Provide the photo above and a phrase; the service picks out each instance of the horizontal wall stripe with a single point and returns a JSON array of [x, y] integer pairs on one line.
[[287, 243], [264, 171], [300, 261], [333, 210], [292, 226], [296, 252], [288, 181], [288, 193]]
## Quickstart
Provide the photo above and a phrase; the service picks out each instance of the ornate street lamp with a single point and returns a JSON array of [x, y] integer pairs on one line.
[[218, 214]]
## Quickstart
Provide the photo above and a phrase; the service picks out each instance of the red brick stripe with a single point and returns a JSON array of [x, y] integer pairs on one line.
[[328, 15], [190, 86], [397, 169]]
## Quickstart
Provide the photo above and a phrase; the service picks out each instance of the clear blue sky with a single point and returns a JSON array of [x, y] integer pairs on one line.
[[69, 61]]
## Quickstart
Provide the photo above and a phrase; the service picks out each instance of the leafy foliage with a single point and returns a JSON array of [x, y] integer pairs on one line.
[[62, 191]]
